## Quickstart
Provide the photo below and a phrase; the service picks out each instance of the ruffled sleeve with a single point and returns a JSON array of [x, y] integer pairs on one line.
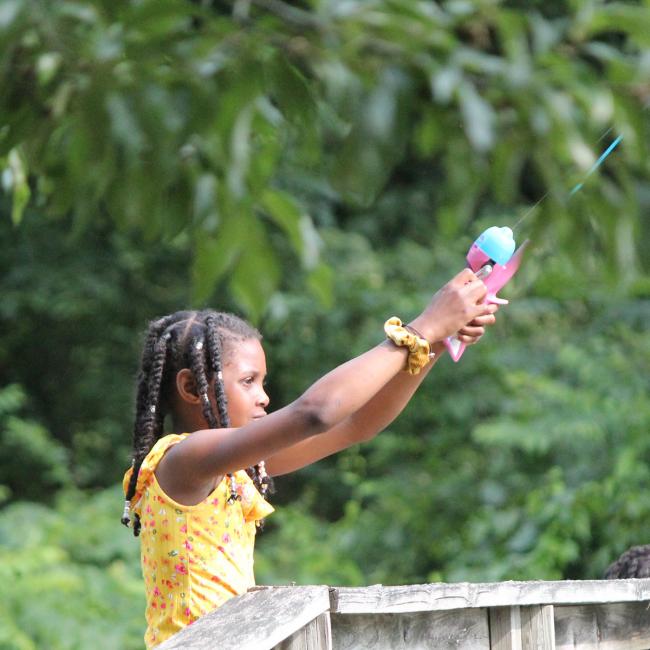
[[148, 467], [253, 505]]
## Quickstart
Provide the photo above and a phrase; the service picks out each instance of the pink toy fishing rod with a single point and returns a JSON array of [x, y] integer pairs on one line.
[[494, 260]]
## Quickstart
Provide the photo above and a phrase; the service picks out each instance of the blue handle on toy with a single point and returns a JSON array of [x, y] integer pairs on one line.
[[495, 244]]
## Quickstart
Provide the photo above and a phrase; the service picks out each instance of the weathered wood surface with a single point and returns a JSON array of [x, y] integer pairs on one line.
[[258, 620], [381, 599], [505, 628], [445, 630], [537, 627], [316, 635], [578, 615], [616, 626]]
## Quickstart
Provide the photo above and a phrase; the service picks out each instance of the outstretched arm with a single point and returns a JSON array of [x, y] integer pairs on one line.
[[374, 416]]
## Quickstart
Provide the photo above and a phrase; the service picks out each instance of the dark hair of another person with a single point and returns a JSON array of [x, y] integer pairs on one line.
[[633, 563]]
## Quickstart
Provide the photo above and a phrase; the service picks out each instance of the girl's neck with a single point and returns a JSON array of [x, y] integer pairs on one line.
[[186, 423]]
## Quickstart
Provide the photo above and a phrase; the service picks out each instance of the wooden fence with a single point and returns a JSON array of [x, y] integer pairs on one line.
[[582, 615]]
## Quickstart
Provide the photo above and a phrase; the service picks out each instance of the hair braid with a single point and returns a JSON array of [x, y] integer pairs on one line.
[[149, 413], [215, 351], [197, 365]]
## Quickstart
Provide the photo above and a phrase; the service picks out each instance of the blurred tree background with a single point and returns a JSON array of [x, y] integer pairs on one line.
[[318, 166]]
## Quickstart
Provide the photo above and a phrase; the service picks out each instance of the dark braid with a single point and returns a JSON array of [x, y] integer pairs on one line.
[[186, 339], [148, 424], [197, 366], [214, 351], [634, 563]]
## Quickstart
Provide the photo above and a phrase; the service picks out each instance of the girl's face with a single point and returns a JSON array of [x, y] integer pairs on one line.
[[243, 378]]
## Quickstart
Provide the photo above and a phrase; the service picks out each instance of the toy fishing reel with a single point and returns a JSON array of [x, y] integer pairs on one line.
[[494, 260]]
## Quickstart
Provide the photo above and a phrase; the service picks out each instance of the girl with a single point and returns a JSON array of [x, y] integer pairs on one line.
[[195, 495]]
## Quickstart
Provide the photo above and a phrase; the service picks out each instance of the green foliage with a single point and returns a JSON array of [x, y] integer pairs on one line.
[[72, 313], [577, 421], [321, 166], [28, 452], [207, 118], [69, 581]]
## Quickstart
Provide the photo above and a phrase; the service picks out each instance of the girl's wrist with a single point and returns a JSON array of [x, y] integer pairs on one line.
[[438, 347], [425, 330]]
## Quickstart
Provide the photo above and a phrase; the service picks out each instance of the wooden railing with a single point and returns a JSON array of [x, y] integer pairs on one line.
[[582, 615]]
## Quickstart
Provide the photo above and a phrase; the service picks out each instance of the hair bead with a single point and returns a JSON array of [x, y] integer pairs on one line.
[[264, 478], [126, 514], [234, 495]]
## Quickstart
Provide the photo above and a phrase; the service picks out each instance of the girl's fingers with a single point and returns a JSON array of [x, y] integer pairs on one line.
[[464, 277], [482, 321], [471, 332], [471, 285], [469, 340]]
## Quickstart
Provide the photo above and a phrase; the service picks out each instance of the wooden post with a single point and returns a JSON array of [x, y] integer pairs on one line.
[[505, 628], [537, 627], [316, 635]]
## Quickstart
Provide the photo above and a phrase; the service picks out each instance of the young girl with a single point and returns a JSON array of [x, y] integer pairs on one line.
[[195, 495]]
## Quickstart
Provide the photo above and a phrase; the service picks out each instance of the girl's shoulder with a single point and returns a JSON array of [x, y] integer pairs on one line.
[[151, 461], [162, 445]]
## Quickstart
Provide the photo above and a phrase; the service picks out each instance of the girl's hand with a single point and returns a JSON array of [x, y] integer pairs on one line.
[[455, 306], [473, 331]]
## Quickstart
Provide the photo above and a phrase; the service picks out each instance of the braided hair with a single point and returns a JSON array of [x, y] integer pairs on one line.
[[633, 563], [194, 340]]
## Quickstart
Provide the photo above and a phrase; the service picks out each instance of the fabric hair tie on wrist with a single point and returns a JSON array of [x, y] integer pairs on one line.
[[420, 352]]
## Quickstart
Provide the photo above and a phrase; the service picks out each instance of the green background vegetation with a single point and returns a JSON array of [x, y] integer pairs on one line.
[[319, 166]]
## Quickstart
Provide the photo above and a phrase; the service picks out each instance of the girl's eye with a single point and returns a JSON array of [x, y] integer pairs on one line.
[[248, 381]]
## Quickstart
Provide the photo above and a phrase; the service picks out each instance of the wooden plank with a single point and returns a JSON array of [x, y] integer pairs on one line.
[[617, 626], [458, 630], [316, 635], [443, 596], [505, 628], [257, 620], [537, 627]]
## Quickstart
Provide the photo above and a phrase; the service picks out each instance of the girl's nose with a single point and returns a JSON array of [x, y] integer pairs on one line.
[[263, 399]]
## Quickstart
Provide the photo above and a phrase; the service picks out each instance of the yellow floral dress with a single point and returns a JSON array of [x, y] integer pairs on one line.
[[194, 558]]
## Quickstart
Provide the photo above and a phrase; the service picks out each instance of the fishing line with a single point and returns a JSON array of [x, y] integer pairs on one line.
[[579, 185]]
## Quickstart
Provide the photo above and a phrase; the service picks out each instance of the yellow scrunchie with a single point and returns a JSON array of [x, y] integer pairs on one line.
[[419, 348]]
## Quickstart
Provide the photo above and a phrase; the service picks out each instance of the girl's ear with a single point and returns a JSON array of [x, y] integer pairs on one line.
[[186, 386]]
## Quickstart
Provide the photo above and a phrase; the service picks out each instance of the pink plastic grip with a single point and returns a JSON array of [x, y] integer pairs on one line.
[[498, 278]]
